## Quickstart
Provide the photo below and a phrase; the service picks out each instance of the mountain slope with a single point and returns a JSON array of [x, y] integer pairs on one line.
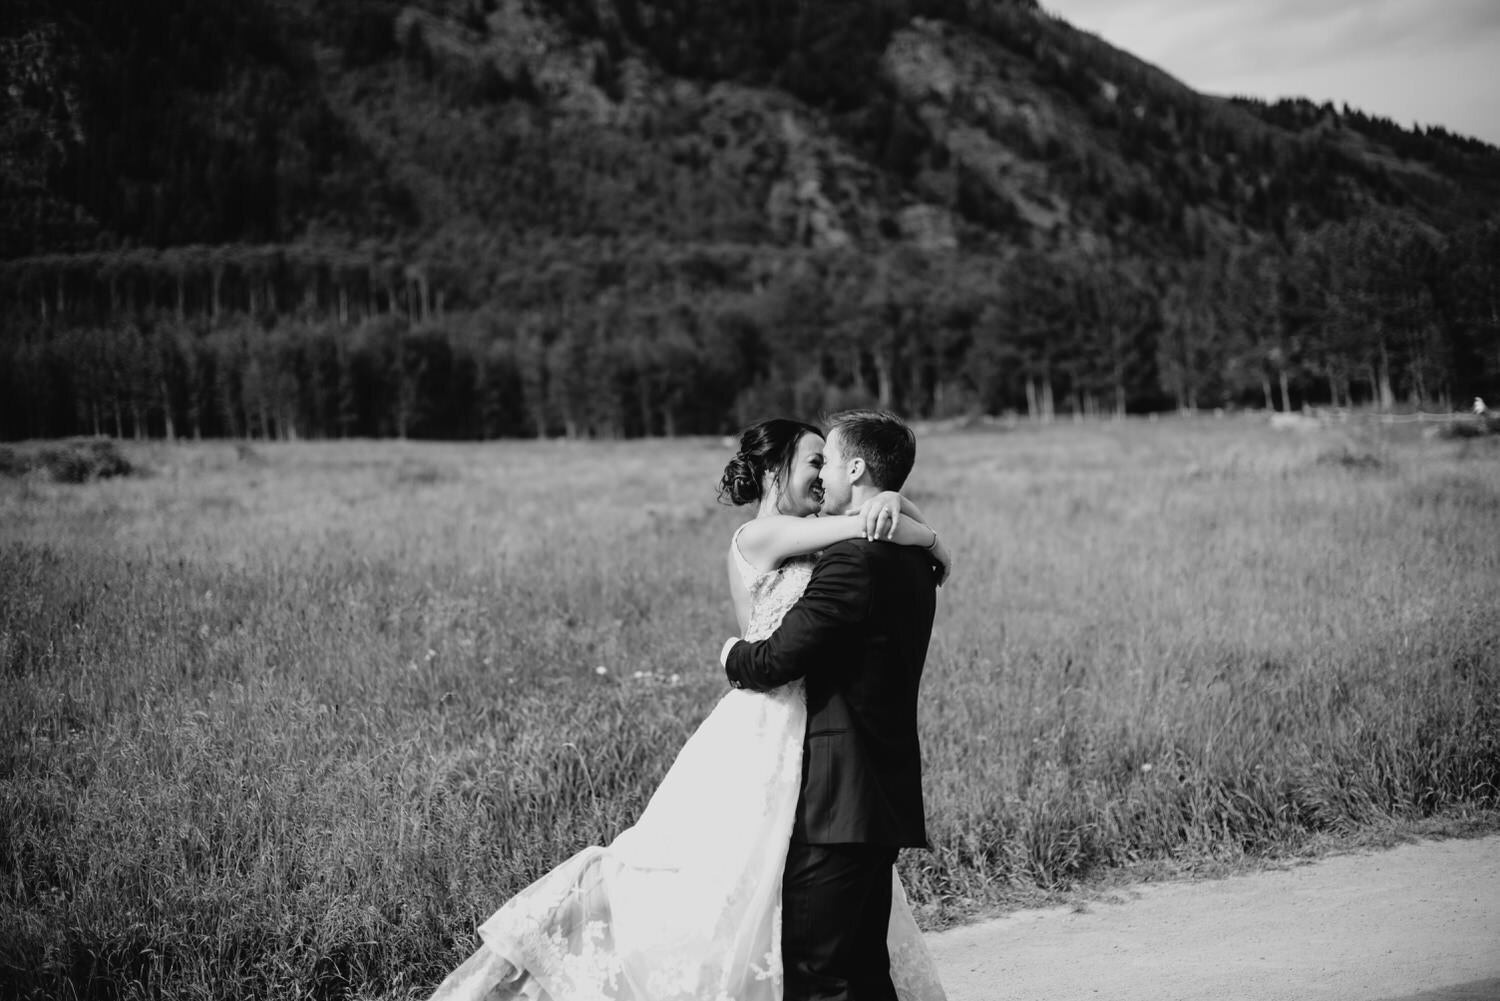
[[595, 165], [623, 116]]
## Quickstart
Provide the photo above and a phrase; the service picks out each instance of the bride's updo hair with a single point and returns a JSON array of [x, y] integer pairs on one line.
[[767, 446]]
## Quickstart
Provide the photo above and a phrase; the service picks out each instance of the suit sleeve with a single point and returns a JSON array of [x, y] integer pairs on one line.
[[837, 598]]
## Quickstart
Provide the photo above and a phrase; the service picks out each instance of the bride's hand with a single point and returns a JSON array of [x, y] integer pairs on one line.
[[881, 513], [943, 560]]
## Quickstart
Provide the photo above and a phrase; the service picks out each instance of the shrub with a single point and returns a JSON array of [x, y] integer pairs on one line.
[[1481, 426], [76, 460]]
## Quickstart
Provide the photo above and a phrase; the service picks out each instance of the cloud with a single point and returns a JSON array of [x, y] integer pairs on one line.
[[1398, 58], [1240, 36], [1244, 33]]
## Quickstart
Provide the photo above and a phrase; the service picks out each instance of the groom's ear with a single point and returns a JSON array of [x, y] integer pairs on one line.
[[856, 469]]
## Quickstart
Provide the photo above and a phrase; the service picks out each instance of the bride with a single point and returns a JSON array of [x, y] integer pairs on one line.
[[686, 904]]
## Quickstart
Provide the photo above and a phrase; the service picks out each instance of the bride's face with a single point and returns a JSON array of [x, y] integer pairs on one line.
[[801, 491]]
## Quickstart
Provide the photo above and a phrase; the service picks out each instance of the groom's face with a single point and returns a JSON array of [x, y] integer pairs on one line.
[[838, 489]]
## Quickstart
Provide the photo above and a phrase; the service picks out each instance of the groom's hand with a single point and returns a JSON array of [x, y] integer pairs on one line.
[[836, 600], [734, 681]]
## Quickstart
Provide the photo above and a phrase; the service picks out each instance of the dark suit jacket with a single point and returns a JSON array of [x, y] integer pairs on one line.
[[859, 637]]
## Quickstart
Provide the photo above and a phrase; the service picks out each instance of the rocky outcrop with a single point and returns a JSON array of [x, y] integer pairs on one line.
[[797, 203], [526, 52], [976, 104], [928, 227]]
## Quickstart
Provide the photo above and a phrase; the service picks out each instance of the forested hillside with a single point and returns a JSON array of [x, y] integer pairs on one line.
[[480, 218]]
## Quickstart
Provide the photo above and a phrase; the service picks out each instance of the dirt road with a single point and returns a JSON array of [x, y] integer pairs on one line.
[[1415, 923]]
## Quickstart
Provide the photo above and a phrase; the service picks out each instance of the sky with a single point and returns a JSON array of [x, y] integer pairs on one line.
[[1429, 62]]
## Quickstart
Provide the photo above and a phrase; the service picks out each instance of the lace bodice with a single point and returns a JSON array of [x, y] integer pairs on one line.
[[772, 592]]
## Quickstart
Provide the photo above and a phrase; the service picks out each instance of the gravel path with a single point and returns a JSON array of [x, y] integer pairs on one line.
[[1415, 923]]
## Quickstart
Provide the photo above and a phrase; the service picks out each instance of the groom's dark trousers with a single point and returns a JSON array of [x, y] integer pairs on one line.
[[858, 636], [835, 909]]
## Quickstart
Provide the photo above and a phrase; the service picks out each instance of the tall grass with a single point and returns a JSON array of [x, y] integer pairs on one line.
[[290, 723]]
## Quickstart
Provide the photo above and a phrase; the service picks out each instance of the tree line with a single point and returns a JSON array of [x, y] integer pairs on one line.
[[614, 342]]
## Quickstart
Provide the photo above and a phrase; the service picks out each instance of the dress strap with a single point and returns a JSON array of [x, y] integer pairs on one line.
[[748, 573]]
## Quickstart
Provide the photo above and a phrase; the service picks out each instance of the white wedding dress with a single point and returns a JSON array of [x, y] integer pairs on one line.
[[686, 904]]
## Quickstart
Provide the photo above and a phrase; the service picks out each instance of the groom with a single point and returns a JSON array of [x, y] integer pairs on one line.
[[858, 635]]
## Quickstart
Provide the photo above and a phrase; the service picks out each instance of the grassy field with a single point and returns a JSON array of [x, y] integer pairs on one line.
[[288, 722]]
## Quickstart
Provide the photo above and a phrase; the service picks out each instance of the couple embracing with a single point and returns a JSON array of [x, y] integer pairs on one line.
[[762, 869]]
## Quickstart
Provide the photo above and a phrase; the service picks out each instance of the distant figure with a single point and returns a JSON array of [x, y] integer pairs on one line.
[[1479, 407]]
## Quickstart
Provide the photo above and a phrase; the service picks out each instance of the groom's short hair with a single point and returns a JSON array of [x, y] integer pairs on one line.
[[882, 439]]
